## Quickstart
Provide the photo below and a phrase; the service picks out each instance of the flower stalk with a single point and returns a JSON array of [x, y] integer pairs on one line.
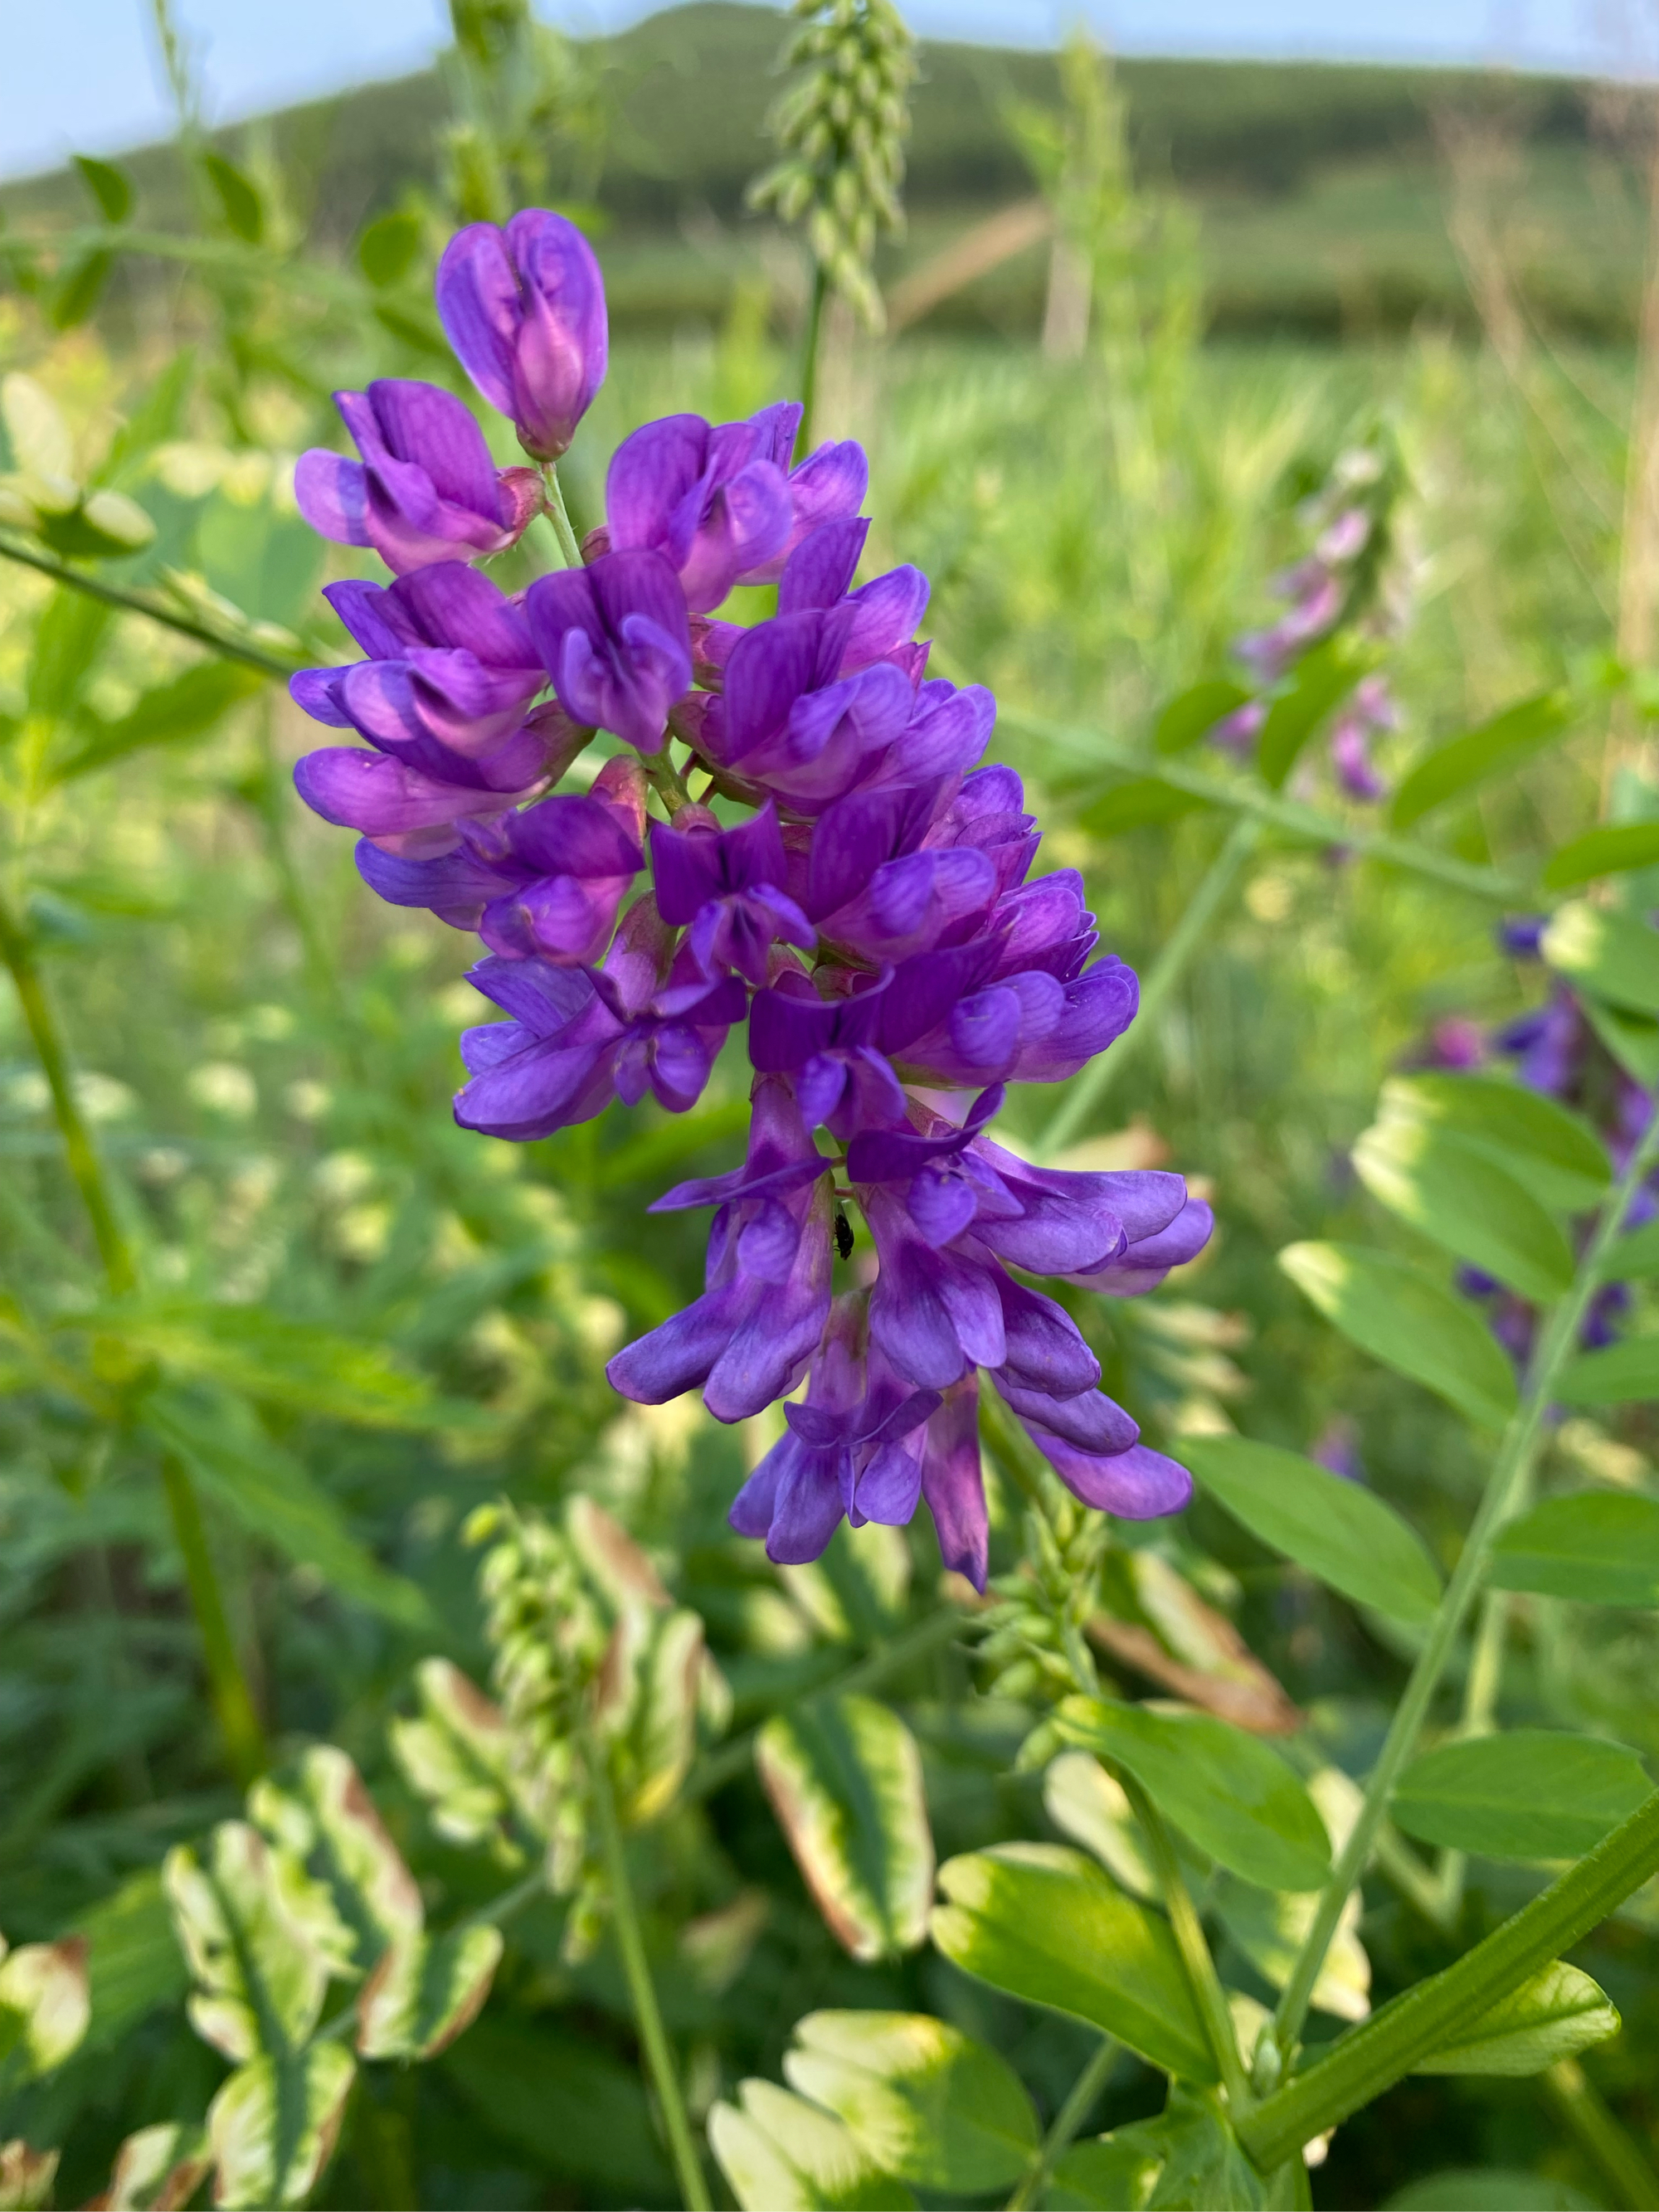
[[1063, 2130]]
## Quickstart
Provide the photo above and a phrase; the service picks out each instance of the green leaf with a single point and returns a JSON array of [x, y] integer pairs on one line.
[[79, 287], [387, 248], [248, 1922], [1110, 2174], [1140, 804], [1490, 2189], [425, 1991], [780, 2154], [44, 2007], [1559, 2012], [1632, 1039], [1562, 1160], [270, 1493], [274, 2124], [1532, 1794], [1203, 2170], [174, 714], [1454, 1193], [238, 197], [1322, 680], [458, 1756], [1600, 1546], [109, 186], [1227, 1792], [1604, 951], [1342, 1534], [844, 1777], [1633, 1258], [1619, 1374], [1270, 1928], [159, 2166], [1606, 852], [922, 2100], [68, 640], [1491, 748], [134, 1964], [1409, 1323], [1191, 714], [648, 1705], [329, 1824], [1046, 1924]]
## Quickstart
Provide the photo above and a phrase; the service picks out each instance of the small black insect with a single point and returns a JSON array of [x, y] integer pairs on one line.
[[843, 1234]]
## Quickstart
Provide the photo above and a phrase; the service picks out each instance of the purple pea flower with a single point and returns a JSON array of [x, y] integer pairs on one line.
[[748, 1338], [871, 884], [614, 637], [545, 883], [426, 489], [523, 308], [828, 1049], [711, 500], [727, 885]]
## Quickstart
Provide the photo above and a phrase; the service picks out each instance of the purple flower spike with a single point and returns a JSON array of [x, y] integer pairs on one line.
[[426, 489], [712, 501], [523, 308], [615, 640], [748, 1338], [728, 886]]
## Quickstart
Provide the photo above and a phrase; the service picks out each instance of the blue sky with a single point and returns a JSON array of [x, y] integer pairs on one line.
[[80, 75]]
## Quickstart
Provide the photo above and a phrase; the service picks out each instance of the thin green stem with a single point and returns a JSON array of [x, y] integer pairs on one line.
[[1372, 2058], [1274, 811], [810, 344], [1510, 1472], [1620, 2160], [1087, 1091], [1067, 2122], [647, 2014], [232, 1701], [557, 515], [666, 779], [1188, 1931], [151, 605]]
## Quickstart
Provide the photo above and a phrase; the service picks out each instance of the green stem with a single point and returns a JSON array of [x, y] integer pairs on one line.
[[810, 347], [232, 1701], [150, 604], [1373, 2057], [1188, 1931], [1511, 1471], [666, 779], [647, 2015], [1252, 798], [1167, 970], [1067, 2122], [1619, 2159], [557, 515]]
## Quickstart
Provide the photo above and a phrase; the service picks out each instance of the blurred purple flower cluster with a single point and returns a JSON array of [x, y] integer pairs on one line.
[[862, 901]]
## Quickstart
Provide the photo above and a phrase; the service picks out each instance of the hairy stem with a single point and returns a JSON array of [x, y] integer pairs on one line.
[[1511, 1471], [810, 346], [1067, 2122], [1087, 1090], [151, 605], [647, 2014], [232, 1701], [1617, 2156], [1372, 2058]]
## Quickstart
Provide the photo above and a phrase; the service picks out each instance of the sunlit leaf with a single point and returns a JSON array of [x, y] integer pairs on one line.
[[1600, 1546], [1226, 1791], [844, 1777], [1341, 1533], [1531, 1794], [1494, 748], [425, 1991], [458, 1756], [27, 2175], [79, 287], [1559, 2012], [922, 2100], [1046, 1924], [387, 248], [1609, 850], [248, 1932], [329, 1823], [1561, 1159], [1478, 1211], [45, 2007], [780, 2154], [1270, 1930], [159, 2169], [1390, 1311], [1609, 953], [274, 2124]]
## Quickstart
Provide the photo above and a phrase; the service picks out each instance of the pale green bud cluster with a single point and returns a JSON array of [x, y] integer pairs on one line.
[[842, 124], [1038, 1649]]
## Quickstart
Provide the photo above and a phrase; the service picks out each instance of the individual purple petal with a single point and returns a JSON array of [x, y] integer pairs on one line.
[[1143, 1265], [954, 1485], [523, 308], [1136, 1485], [332, 494], [614, 637]]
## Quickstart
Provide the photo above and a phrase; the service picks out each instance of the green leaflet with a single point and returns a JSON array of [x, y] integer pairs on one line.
[[44, 2007], [1606, 852], [458, 1755], [387, 246], [1269, 1926], [1465, 761], [844, 1777], [274, 2124], [922, 2100], [1555, 1153], [1409, 1323], [1048, 1925], [259, 1939], [164, 2164], [1559, 2012], [1225, 1790], [1490, 2189], [1609, 953], [1532, 1794], [780, 2154], [237, 195], [132, 1958], [1343, 1535], [1191, 713], [425, 1991], [1454, 1193], [1322, 680], [1600, 1546], [1615, 1376], [1115, 2172], [109, 186], [1633, 1257], [1139, 804]]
